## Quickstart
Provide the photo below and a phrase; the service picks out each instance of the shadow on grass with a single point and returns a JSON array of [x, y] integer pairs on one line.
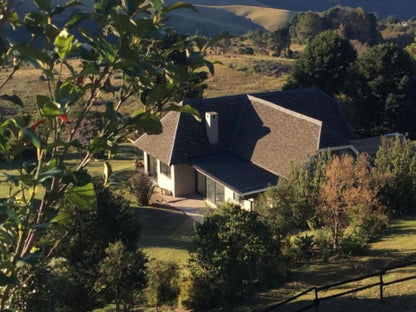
[[399, 228], [164, 226], [345, 304]]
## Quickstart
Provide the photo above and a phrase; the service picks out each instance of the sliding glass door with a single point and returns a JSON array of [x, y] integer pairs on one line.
[[211, 190]]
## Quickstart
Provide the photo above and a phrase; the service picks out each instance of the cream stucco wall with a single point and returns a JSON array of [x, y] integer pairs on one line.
[[228, 195], [185, 180]]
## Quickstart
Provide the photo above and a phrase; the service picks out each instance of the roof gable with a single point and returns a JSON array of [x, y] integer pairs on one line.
[[161, 145]]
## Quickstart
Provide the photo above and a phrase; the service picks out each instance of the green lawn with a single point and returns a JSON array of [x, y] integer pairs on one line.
[[397, 245]]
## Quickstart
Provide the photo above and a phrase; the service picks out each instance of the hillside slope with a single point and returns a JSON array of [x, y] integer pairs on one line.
[[235, 19]]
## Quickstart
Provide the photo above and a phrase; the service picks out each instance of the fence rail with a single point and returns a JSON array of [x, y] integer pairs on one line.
[[315, 304]]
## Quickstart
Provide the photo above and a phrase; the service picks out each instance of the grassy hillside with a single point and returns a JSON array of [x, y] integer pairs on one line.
[[235, 19], [268, 18]]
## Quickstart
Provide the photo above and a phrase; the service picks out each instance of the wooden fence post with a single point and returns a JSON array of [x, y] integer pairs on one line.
[[381, 284], [316, 301]]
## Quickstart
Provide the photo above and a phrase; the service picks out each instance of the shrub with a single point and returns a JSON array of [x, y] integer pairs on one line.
[[353, 245], [302, 247], [163, 287], [323, 244], [141, 186]]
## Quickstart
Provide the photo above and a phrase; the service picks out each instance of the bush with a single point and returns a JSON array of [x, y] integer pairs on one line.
[[323, 244], [353, 245], [141, 186], [302, 247], [163, 287], [245, 50]]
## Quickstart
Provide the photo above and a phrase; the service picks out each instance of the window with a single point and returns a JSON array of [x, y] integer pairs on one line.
[[152, 166], [210, 190], [214, 191], [237, 198], [165, 169], [219, 193], [201, 184]]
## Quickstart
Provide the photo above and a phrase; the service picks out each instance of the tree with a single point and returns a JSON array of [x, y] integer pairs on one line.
[[122, 276], [381, 91], [411, 49], [353, 24], [279, 41], [396, 163], [290, 206], [347, 198], [324, 64], [308, 25], [236, 255], [89, 233], [65, 282], [163, 286], [129, 40]]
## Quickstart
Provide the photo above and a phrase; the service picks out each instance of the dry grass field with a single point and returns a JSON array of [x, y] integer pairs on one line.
[[237, 75]]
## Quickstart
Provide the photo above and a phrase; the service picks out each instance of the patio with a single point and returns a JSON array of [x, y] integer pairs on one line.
[[193, 205]]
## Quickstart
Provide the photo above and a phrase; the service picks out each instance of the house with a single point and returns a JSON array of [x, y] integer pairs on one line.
[[243, 144]]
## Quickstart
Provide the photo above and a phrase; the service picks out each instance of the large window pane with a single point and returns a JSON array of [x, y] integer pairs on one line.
[[201, 184], [219, 193], [210, 190], [165, 169], [152, 165]]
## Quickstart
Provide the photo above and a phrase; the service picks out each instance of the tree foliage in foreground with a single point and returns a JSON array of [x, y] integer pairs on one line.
[[72, 280], [129, 41], [236, 256]]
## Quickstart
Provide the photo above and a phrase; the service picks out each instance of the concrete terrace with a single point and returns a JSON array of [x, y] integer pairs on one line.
[[193, 205]]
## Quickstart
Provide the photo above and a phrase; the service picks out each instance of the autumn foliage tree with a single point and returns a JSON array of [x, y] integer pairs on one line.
[[347, 198]]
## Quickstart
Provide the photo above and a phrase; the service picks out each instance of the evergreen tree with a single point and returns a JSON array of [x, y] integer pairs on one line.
[[381, 91], [324, 64]]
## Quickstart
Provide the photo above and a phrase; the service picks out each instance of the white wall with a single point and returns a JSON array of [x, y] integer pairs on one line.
[[228, 195], [163, 181]]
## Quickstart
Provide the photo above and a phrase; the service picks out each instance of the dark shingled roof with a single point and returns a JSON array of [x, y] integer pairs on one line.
[[315, 103], [238, 174], [269, 129]]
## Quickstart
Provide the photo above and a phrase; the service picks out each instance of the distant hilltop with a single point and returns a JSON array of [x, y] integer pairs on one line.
[[240, 16]]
